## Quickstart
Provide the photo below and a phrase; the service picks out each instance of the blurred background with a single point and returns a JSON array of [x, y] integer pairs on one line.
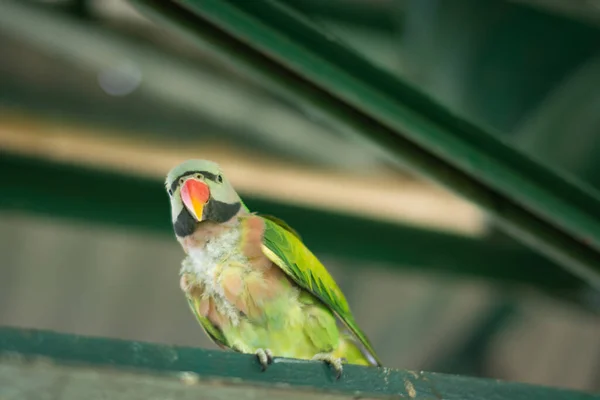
[[97, 103]]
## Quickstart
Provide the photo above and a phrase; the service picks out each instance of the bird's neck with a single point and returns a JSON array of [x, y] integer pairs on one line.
[[208, 230]]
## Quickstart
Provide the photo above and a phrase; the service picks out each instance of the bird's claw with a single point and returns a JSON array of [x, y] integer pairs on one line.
[[335, 362], [265, 357]]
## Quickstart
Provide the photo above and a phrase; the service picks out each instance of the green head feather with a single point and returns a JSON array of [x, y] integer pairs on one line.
[[199, 192]]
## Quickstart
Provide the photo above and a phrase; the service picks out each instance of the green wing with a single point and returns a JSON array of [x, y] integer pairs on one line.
[[282, 224], [283, 246], [212, 331]]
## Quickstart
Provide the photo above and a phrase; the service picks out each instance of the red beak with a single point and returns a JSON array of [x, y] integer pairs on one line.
[[194, 195]]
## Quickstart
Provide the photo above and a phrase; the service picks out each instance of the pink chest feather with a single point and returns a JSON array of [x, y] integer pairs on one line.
[[247, 287]]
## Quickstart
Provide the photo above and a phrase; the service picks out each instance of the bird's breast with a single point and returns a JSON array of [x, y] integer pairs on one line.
[[236, 278], [206, 262]]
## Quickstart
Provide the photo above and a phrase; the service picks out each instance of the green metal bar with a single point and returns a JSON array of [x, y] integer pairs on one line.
[[75, 192], [235, 368], [583, 11], [559, 217], [381, 16]]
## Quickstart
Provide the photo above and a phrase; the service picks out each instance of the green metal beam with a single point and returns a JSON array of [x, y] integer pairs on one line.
[[381, 16], [559, 217], [119, 357], [46, 187], [583, 11]]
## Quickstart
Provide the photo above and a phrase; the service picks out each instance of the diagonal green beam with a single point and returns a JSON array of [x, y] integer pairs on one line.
[[557, 216], [285, 378], [382, 16]]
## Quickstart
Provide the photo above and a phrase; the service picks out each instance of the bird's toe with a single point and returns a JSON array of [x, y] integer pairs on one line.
[[265, 357], [335, 362]]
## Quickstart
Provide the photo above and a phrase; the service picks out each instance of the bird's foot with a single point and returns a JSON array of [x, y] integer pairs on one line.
[[335, 362], [265, 357]]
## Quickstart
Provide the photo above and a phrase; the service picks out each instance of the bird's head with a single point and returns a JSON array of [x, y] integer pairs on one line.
[[199, 192]]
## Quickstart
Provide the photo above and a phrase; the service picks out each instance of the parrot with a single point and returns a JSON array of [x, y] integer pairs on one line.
[[251, 282]]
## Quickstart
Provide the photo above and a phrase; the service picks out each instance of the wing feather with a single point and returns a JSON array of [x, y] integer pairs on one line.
[[213, 332], [283, 247]]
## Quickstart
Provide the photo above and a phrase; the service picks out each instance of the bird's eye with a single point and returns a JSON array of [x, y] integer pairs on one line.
[[220, 178], [181, 180], [198, 176]]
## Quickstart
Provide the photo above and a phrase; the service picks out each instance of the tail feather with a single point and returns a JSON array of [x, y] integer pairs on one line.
[[353, 353]]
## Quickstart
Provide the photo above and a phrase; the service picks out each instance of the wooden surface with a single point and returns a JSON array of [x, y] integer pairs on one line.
[[99, 366], [43, 379]]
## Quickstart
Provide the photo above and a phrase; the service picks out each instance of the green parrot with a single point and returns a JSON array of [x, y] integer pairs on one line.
[[250, 281]]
